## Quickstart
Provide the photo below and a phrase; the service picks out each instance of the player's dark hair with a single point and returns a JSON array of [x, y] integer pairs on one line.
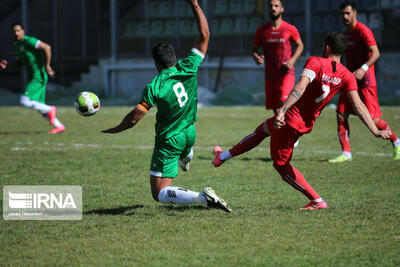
[[17, 24], [282, 2], [345, 4], [337, 42], [164, 55]]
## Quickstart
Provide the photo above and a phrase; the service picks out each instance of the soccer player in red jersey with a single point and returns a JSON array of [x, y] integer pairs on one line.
[[276, 37], [320, 80], [361, 55]]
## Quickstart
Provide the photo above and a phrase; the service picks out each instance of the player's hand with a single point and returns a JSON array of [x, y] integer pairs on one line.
[[359, 73], [258, 59], [385, 134], [279, 120], [3, 64], [288, 64], [50, 72]]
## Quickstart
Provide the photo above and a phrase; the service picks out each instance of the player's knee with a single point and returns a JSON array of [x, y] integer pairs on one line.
[[155, 194], [25, 101], [281, 167], [161, 195], [278, 166], [262, 129]]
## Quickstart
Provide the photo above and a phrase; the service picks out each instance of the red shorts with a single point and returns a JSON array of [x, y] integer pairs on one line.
[[278, 90], [282, 142], [368, 95]]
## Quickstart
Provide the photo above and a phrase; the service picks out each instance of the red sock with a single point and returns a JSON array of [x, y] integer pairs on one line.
[[383, 125], [250, 141], [344, 134], [294, 178]]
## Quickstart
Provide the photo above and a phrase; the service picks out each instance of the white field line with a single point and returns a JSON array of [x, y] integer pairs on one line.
[[74, 146]]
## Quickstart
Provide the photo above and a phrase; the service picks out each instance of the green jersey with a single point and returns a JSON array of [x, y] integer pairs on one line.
[[174, 91], [26, 51]]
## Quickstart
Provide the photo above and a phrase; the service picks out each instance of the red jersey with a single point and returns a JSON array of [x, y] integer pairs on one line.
[[324, 85], [277, 47], [359, 40]]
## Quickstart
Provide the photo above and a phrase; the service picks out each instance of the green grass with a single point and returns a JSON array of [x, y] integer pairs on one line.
[[122, 225]]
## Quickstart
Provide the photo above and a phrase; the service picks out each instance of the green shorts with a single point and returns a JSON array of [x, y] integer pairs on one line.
[[36, 89], [164, 162]]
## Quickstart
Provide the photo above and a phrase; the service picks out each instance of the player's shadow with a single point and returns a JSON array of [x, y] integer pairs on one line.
[[183, 207], [326, 160], [310, 160], [20, 132], [259, 159], [281, 207], [264, 159], [115, 211]]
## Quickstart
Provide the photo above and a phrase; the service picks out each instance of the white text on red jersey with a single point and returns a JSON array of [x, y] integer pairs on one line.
[[276, 40], [332, 80]]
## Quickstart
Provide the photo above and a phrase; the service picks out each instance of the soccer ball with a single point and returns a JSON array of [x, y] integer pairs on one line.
[[87, 103]]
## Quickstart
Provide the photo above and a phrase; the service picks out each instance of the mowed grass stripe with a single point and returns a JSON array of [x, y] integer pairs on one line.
[[62, 146]]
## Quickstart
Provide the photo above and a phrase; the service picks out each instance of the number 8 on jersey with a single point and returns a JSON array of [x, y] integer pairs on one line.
[[180, 95]]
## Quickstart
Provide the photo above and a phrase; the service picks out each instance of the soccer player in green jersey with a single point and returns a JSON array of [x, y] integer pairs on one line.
[[28, 51], [174, 91]]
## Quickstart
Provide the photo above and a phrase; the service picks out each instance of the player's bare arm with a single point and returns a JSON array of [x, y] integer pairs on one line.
[[299, 49], [131, 119], [360, 72], [201, 43], [259, 59], [293, 97], [47, 51], [364, 115]]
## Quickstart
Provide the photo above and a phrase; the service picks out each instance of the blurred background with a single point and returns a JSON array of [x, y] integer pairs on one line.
[[105, 45]]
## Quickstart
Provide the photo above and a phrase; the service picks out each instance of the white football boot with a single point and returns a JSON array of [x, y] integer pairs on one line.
[[214, 201]]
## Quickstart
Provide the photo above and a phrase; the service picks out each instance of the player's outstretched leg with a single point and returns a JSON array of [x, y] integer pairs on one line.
[[58, 126], [177, 195], [163, 192], [181, 196], [246, 144], [341, 158], [48, 112], [396, 152], [315, 205], [344, 139], [218, 161], [184, 162], [32, 104], [214, 201], [295, 179], [52, 114], [383, 125], [59, 129]]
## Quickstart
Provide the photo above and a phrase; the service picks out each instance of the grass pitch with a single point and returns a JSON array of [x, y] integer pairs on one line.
[[122, 225]]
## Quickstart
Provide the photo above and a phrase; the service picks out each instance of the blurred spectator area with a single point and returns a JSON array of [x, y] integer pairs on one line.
[[234, 22]]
